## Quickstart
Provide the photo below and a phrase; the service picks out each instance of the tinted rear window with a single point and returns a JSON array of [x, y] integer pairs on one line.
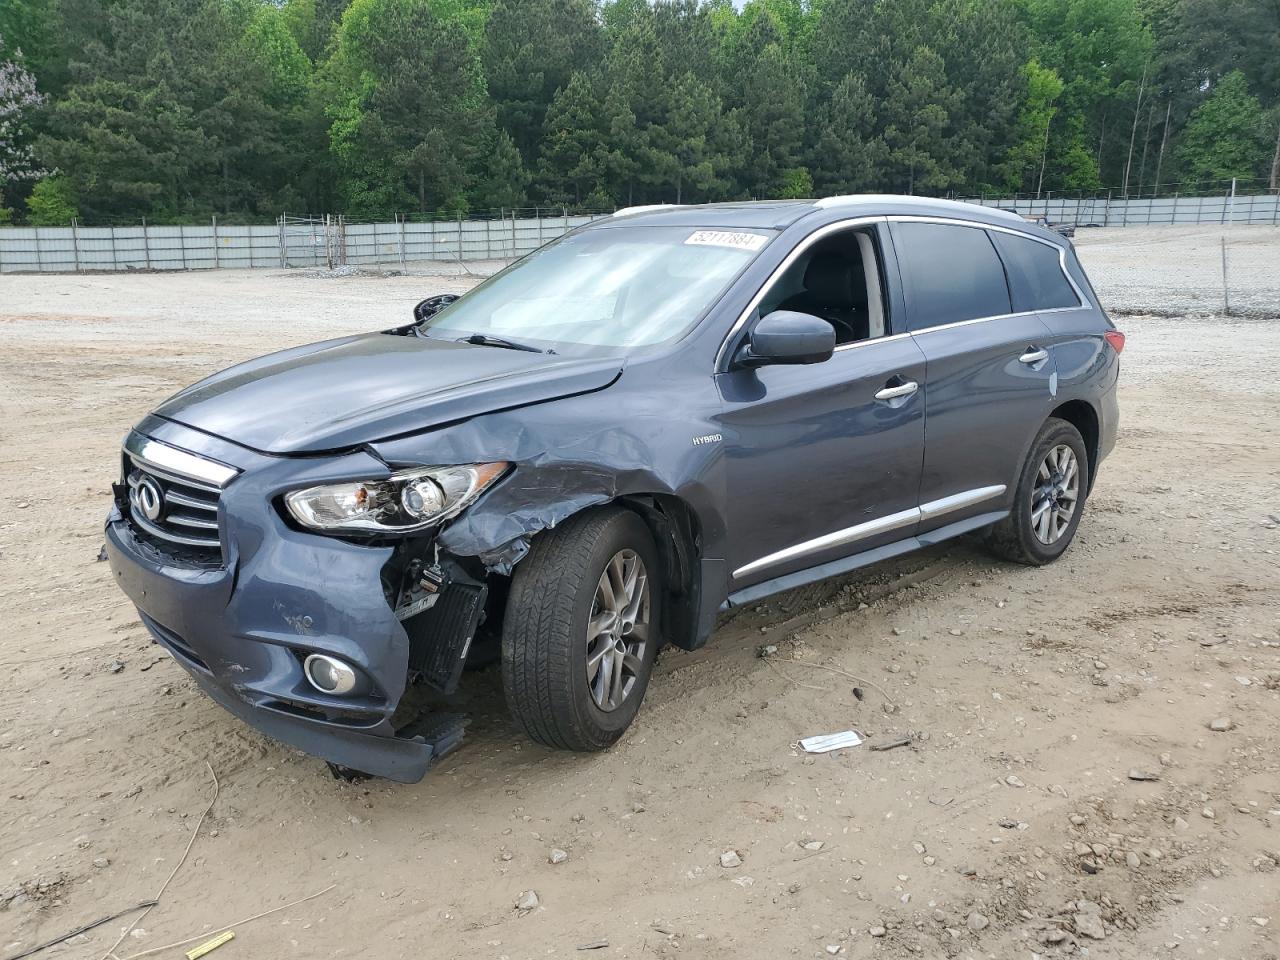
[[953, 273], [1035, 274]]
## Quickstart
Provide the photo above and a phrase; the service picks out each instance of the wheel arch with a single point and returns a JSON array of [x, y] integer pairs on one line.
[[1082, 415], [677, 533]]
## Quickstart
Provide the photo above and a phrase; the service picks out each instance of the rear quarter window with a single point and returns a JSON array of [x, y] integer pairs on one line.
[[952, 273], [1036, 280]]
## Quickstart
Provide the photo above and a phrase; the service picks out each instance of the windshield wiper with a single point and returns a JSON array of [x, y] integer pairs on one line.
[[485, 340]]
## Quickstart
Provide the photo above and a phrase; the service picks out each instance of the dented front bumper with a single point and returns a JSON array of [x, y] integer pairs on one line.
[[243, 627]]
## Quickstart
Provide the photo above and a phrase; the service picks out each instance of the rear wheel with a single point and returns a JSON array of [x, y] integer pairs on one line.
[[1049, 499], [581, 630]]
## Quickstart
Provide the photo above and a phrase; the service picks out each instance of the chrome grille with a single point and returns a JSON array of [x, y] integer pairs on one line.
[[176, 512]]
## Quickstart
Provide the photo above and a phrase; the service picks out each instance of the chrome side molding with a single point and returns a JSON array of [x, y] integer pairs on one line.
[[894, 521]]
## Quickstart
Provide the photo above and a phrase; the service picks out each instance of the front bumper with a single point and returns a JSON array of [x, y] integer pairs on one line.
[[242, 629]]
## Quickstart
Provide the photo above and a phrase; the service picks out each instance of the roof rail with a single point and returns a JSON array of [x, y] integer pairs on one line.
[[647, 208]]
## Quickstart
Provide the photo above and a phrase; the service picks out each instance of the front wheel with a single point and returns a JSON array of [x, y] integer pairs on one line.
[[581, 630], [1049, 500]]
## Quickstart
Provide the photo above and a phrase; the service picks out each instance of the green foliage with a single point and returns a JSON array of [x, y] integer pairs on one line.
[[531, 49], [1225, 136], [184, 108], [51, 203], [1023, 164]]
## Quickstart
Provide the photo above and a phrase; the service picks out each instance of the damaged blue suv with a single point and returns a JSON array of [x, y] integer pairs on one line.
[[661, 415]]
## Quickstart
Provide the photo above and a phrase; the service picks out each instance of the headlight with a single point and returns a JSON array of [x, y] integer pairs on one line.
[[404, 502]]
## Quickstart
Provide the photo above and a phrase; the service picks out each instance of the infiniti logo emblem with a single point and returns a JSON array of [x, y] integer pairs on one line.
[[150, 498]]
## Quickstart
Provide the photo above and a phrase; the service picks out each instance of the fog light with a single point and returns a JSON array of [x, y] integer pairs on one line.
[[329, 675]]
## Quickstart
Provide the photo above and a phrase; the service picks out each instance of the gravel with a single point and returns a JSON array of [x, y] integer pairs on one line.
[[1176, 271]]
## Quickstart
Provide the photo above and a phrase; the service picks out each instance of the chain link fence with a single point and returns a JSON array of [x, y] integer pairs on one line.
[[333, 242]]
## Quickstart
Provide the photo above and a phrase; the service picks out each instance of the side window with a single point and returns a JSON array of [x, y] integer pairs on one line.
[[952, 273], [837, 279], [1035, 274]]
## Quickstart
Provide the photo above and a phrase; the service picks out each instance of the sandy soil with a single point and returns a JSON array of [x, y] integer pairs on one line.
[[1011, 822]]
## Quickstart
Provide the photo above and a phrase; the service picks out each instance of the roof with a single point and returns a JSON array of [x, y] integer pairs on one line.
[[778, 214]]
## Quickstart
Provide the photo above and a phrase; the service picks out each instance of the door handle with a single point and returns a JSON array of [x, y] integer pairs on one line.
[[1034, 355], [902, 390]]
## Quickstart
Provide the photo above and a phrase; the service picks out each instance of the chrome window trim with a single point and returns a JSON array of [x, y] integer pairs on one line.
[[781, 268], [187, 466], [1059, 248], [852, 222], [860, 531]]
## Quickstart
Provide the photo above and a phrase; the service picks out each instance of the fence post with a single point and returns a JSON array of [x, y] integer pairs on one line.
[[217, 254], [39, 258], [283, 260], [537, 215], [115, 263], [401, 218], [182, 244], [146, 242], [1106, 211], [459, 237], [488, 238], [565, 211], [75, 241]]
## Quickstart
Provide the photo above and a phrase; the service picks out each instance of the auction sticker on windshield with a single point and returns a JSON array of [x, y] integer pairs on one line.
[[727, 238]]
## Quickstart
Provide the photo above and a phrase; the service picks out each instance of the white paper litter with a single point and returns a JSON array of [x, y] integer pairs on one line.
[[830, 741]]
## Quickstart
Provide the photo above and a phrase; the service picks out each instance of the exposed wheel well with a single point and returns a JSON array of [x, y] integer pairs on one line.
[[1081, 415], [675, 530]]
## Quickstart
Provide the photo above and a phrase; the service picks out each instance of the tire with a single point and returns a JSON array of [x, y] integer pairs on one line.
[[1026, 536], [556, 618]]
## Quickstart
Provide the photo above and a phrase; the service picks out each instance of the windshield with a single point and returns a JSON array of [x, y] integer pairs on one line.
[[610, 287]]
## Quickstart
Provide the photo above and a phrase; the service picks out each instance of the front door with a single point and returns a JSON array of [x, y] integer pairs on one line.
[[822, 460]]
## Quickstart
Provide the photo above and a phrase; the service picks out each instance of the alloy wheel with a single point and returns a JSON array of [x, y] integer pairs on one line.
[[618, 630], [1056, 494]]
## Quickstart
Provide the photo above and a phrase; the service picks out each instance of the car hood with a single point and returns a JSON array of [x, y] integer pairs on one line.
[[341, 393]]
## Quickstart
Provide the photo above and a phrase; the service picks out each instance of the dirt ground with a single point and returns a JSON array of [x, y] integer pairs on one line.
[[1011, 827]]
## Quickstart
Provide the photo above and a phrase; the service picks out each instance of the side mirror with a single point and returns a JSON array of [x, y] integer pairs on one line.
[[432, 305], [785, 336]]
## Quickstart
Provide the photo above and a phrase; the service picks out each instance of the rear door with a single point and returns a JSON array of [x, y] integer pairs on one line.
[[989, 376]]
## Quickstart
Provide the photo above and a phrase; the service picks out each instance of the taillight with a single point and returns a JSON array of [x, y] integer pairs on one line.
[[1116, 339]]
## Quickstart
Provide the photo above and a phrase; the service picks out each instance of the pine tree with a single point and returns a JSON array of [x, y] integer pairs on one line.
[[848, 156], [920, 103], [505, 179], [531, 49], [569, 167], [411, 116]]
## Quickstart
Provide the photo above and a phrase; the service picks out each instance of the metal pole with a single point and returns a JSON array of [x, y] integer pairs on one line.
[[400, 217], [283, 259], [75, 241], [459, 237], [1226, 296], [565, 210], [182, 244], [146, 242], [537, 215], [39, 258], [488, 238], [217, 254], [115, 264]]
